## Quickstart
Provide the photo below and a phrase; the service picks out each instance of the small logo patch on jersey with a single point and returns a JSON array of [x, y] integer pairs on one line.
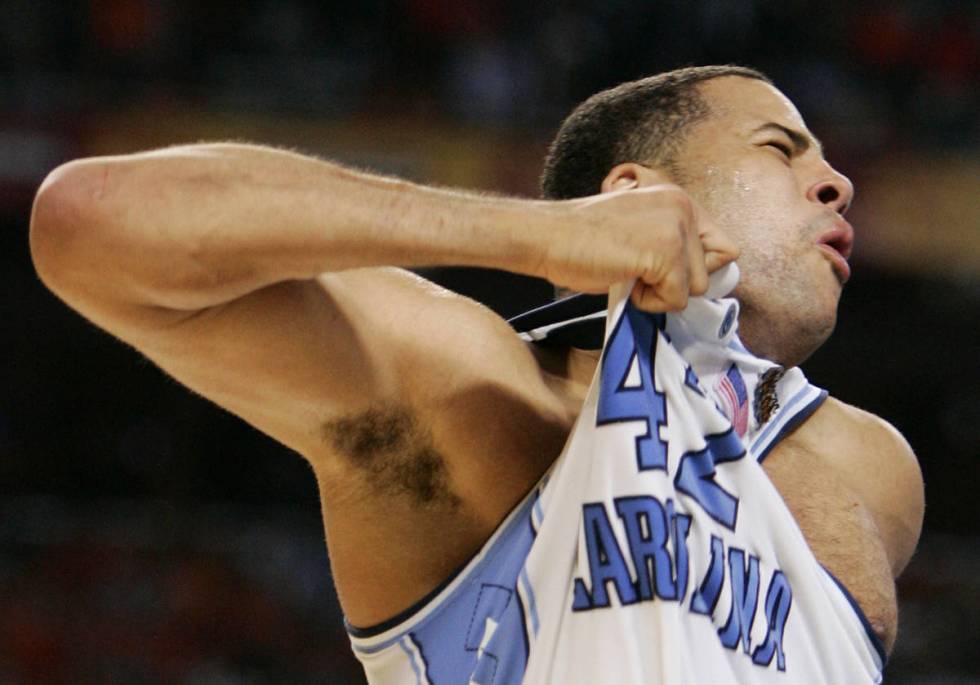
[[729, 321], [735, 397], [766, 399]]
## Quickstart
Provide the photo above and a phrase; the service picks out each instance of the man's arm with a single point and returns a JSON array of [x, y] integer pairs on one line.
[[873, 462], [223, 264], [854, 487], [876, 462], [227, 265], [197, 226], [254, 276]]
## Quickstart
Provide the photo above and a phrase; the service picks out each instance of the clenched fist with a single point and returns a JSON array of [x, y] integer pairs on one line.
[[654, 233]]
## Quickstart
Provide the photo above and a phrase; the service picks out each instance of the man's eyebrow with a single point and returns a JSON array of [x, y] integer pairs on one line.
[[801, 141]]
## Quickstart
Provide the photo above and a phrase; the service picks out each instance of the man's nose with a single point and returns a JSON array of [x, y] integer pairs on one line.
[[834, 190]]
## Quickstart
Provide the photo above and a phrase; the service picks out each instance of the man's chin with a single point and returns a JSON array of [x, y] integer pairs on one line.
[[786, 338]]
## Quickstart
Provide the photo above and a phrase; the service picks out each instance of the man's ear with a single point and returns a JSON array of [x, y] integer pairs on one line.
[[630, 175]]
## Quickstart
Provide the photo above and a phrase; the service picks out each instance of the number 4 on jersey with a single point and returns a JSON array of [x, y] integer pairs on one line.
[[628, 392]]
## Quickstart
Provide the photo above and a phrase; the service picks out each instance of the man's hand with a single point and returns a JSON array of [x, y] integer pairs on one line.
[[655, 234]]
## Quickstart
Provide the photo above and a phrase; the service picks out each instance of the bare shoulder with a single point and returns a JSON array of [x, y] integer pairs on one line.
[[876, 462], [871, 426]]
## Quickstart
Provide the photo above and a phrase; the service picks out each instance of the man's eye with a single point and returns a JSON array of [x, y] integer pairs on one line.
[[782, 147]]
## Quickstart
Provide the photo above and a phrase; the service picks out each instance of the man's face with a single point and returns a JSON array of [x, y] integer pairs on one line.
[[761, 175]]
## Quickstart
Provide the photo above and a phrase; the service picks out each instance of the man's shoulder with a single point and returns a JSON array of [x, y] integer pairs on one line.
[[876, 461], [864, 429]]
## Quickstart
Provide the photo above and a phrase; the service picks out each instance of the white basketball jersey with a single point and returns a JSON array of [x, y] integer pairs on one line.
[[655, 550]]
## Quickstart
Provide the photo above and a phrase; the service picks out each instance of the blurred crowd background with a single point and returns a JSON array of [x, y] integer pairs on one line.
[[146, 536]]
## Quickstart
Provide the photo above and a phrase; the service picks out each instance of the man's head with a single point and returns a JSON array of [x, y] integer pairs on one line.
[[639, 121], [741, 150]]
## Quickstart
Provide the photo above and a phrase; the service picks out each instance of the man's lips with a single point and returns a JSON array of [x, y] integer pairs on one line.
[[837, 243]]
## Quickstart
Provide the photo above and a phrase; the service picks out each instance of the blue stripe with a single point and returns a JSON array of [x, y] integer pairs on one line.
[[526, 639], [538, 511], [374, 649], [503, 540], [872, 636], [532, 606], [418, 649], [411, 660], [789, 405], [790, 425]]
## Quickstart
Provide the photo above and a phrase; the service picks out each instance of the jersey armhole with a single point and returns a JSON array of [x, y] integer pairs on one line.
[[873, 638], [808, 400], [404, 615], [370, 639]]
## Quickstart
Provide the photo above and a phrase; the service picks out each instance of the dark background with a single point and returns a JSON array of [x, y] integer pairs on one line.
[[147, 536]]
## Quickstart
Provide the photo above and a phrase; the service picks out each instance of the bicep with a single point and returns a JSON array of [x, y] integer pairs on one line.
[[287, 358]]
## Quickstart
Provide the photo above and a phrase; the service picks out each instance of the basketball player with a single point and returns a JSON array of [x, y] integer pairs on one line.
[[265, 281]]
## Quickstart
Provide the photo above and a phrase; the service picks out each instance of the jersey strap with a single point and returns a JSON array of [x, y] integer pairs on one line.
[[574, 321], [763, 401]]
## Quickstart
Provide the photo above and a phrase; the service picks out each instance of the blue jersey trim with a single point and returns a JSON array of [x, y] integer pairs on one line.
[[406, 614], [792, 424], [418, 648], [411, 661], [872, 636], [445, 598], [537, 512], [523, 624], [532, 605], [378, 628]]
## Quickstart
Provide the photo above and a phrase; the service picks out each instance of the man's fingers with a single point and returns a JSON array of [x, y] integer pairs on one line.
[[645, 297], [715, 260], [717, 247], [665, 240], [719, 250], [669, 294], [697, 273]]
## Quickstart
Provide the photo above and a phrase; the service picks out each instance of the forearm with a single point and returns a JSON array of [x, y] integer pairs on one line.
[[190, 227]]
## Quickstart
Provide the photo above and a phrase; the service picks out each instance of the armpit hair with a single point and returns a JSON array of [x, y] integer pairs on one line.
[[396, 453]]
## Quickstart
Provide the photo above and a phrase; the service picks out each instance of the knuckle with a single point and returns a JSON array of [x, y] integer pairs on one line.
[[648, 262], [673, 238], [699, 286], [679, 199], [676, 303]]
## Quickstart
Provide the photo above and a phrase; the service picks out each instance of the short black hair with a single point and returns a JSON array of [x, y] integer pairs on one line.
[[640, 121]]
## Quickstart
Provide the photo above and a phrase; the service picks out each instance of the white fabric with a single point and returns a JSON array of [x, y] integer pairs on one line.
[[662, 641], [548, 626]]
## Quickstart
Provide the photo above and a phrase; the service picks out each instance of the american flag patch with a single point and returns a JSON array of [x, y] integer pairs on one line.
[[731, 389]]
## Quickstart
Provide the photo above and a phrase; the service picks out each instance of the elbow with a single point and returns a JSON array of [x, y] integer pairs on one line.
[[65, 220]]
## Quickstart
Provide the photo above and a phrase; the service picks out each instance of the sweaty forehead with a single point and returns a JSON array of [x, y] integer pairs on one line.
[[745, 104]]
